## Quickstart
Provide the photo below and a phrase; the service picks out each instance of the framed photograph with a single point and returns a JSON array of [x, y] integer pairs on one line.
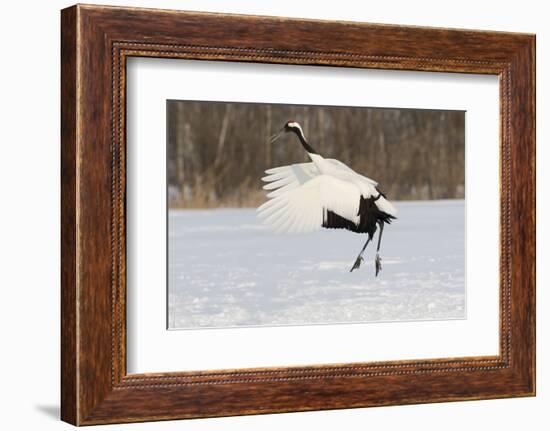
[[264, 214]]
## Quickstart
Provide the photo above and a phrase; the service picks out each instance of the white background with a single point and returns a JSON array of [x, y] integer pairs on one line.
[[29, 227], [152, 349]]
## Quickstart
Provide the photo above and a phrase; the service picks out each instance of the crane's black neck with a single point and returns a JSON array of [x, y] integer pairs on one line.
[[302, 139]]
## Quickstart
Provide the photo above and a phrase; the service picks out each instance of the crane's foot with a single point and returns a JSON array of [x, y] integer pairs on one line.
[[378, 264], [357, 263]]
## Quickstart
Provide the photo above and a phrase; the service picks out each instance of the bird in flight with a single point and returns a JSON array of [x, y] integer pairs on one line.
[[324, 193]]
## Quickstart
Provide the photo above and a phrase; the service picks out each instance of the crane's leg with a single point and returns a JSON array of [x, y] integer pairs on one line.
[[378, 260], [359, 259]]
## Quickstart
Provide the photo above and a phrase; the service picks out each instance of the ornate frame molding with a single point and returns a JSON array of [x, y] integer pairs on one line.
[[96, 41]]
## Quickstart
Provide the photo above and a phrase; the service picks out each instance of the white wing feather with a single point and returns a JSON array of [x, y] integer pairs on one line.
[[344, 168], [385, 205], [301, 198], [367, 186]]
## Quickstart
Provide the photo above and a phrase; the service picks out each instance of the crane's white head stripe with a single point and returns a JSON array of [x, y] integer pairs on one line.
[[295, 125]]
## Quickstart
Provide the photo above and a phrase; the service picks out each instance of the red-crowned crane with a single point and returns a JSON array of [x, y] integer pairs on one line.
[[324, 193]]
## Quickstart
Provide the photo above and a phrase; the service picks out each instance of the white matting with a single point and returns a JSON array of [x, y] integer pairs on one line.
[[152, 348]]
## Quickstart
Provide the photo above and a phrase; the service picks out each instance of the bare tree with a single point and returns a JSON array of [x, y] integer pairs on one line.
[[217, 152]]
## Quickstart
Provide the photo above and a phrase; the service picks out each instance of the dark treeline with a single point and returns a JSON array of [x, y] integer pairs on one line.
[[217, 152]]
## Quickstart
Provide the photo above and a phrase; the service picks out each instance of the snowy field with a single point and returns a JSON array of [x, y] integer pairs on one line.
[[226, 269]]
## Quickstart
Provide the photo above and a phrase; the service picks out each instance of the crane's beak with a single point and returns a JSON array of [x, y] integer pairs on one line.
[[276, 136]]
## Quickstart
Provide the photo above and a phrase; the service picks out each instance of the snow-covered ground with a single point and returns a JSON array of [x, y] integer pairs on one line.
[[227, 269]]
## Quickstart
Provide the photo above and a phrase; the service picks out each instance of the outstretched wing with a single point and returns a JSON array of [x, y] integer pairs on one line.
[[289, 177], [301, 199], [344, 168], [369, 188]]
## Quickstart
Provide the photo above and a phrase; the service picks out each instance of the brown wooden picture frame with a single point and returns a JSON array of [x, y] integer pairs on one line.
[[96, 41]]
